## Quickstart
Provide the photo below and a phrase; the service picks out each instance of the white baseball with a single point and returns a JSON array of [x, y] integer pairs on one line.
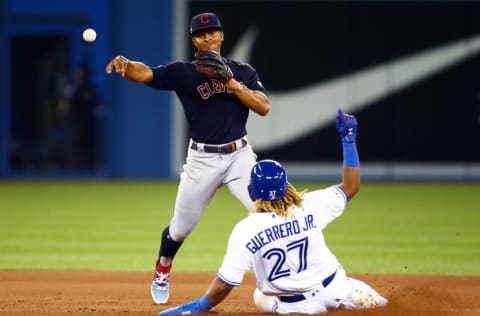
[[89, 35]]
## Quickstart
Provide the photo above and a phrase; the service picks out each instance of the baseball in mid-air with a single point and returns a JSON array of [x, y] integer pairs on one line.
[[89, 35]]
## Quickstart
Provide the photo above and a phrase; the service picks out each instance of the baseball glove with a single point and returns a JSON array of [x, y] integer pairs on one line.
[[347, 127], [212, 65]]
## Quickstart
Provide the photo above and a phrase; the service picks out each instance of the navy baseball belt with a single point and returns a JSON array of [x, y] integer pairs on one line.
[[220, 149], [301, 297]]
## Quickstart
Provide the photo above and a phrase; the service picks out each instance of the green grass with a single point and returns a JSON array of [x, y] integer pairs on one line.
[[410, 228], [413, 228]]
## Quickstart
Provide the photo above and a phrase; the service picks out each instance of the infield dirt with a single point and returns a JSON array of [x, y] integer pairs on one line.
[[121, 293]]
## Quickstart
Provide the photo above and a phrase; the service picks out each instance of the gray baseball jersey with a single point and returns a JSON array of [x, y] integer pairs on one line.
[[217, 118]]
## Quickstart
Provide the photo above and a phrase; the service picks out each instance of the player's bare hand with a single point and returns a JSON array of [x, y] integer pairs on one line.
[[119, 64]]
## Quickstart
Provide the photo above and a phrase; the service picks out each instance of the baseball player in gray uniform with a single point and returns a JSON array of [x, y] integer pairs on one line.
[[282, 241], [217, 95]]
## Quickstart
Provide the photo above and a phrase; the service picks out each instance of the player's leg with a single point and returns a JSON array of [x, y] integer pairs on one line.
[[160, 288], [192, 200], [348, 293], [237, 176], [274, 305], [198, 183]]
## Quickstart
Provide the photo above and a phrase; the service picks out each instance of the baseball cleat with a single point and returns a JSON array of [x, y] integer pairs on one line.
[[367, 300], [160, 287]]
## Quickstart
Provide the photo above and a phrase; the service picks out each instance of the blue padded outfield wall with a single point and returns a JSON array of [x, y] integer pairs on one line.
[[135, 129]]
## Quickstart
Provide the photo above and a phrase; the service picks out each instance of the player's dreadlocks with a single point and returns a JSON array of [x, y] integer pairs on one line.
[[281, 206]]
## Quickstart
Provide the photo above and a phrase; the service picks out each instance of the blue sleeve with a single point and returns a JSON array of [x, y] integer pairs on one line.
[[253, 82], [169, 76], [246, 74], [200, 305]]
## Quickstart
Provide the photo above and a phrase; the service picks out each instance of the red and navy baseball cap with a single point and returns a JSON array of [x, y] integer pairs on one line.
[[204, 21]]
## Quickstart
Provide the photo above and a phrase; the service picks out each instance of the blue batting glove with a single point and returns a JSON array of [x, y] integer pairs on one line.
[[201, 305], [347, 126]]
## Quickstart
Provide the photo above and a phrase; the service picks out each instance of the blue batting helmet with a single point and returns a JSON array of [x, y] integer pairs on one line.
[[268, 181]]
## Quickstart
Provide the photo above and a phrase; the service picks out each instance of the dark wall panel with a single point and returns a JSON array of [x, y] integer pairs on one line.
[[301, 43]]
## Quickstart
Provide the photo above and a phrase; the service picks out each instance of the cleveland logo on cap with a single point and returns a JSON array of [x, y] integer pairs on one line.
[[205, 21]]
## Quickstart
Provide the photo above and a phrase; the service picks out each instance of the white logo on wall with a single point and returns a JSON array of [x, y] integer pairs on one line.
[[312, 107]]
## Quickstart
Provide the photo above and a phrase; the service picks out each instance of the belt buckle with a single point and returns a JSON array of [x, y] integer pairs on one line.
[[227, 149]]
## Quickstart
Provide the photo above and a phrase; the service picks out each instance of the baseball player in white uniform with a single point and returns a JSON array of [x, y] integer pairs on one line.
[[282, 241]]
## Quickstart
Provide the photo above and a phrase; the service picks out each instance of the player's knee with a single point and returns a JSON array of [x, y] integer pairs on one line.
[[267, 304], [178, 235]]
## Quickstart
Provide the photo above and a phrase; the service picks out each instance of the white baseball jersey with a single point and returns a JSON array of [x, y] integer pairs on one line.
[[288, 256]]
